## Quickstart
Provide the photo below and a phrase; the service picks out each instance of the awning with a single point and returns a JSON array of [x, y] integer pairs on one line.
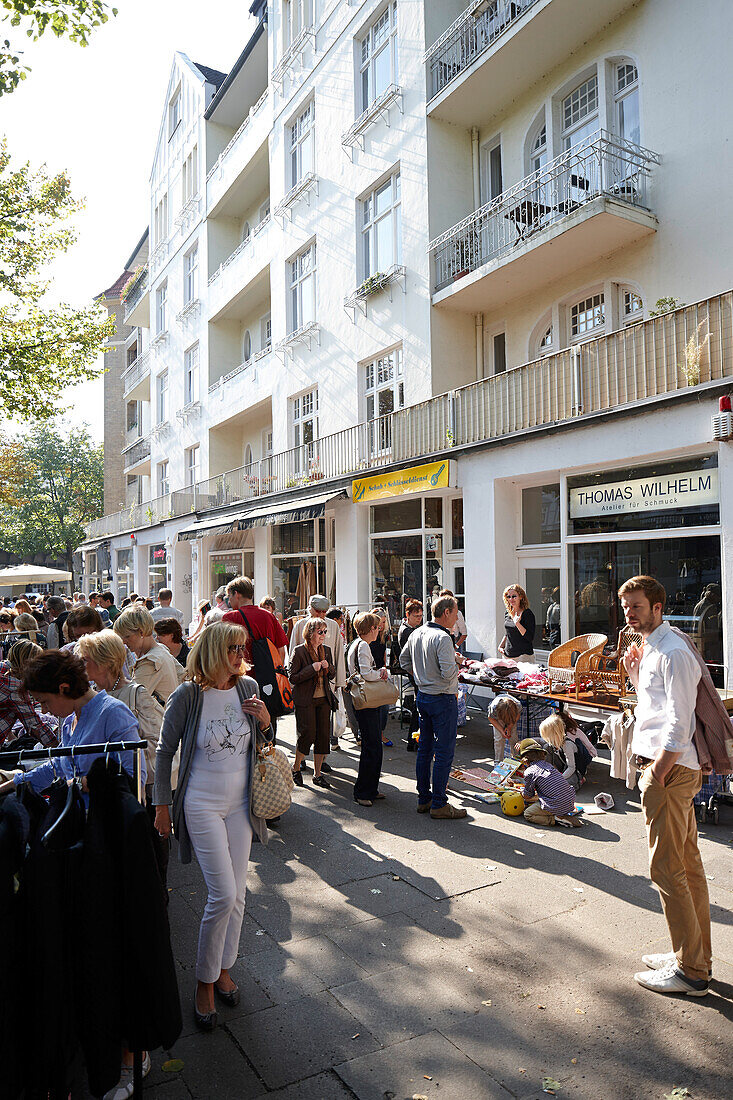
[[290, 511]]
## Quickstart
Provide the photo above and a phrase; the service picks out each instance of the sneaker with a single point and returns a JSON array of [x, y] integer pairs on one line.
[[326, 767], [321, 781], [448, 811], [364, 801], [298, 778], [334, 742], [658, 962], [124, 1086], [424, 807], [671, 980]]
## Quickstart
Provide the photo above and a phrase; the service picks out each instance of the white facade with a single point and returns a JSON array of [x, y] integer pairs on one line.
[[525, 181]]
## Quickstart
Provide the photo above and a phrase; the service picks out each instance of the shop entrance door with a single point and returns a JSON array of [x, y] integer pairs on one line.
[[540, 579]]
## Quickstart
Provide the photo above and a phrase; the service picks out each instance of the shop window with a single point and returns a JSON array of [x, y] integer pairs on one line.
[[541, 515], [293, 538], [298, 564], [157, 569], [225, 567], [381, 228], [543, 592], [433, 512], [456, 533], [688, 568], [378, 50], [399, 515]]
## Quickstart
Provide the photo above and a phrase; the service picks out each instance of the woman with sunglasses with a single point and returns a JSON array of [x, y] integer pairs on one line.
[[216, 719], [311, 671], [519, 626], [6, 621]]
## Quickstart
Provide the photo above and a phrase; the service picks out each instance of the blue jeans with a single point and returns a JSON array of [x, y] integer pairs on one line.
[[438, 729]]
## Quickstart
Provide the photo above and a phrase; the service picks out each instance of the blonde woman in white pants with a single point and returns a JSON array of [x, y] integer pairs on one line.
[[216, 719]]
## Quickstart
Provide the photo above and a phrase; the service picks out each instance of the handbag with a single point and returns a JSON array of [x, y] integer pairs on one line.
[[272, 782], [371, 693]]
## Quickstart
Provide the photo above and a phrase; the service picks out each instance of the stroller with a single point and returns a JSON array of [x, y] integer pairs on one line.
[[716, 789]]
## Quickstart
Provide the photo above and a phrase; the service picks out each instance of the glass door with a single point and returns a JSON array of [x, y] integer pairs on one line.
[[541, 581]]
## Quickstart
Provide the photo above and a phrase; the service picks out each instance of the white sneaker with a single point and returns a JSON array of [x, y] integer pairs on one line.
[[124, 1087], [671, 980], [658, 962]]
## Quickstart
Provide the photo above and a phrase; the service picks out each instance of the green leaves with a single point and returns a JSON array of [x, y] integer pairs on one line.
[[72, 19]]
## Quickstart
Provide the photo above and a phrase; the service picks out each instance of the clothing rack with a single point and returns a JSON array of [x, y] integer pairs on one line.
[[20, 756]]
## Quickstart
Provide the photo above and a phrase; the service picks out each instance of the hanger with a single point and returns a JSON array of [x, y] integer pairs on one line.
[[49, 834]]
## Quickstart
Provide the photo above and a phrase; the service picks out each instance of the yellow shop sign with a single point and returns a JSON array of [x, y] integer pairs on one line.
[[415, 479]]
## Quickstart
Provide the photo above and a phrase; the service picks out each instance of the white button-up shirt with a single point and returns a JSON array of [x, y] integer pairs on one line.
[[665, 713]]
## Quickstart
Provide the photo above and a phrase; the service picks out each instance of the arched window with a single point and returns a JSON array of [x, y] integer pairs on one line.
[[248, 455], [632, 306], [247, 346], [245, 232], [542, 337], [538, 149], [546, 341]]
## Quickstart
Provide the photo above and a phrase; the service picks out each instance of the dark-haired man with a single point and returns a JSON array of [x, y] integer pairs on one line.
[[107, 603], [665, 674]]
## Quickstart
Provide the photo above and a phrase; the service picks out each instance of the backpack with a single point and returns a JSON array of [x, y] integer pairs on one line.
[[271, 677]]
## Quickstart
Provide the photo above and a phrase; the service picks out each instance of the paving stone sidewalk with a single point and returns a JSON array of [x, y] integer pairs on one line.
[[387, 956]]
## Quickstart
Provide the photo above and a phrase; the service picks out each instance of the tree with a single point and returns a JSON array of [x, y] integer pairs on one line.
[[72, 19], [42, 349], [53, 485]]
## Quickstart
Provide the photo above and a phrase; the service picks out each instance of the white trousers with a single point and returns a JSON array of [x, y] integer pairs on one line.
[[217, 818]]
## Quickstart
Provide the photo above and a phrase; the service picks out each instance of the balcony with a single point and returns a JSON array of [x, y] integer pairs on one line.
[[639, 365], [230, 284], [137, 299], [236, 157], [243, 388], [498, 48], [136, 453], [584, 205], [136, 378]]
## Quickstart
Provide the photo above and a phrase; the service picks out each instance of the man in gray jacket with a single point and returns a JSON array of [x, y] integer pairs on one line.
[[430, 658]]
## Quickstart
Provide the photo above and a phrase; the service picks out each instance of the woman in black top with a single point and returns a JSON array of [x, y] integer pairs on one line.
[[379, 653], [519, 626]]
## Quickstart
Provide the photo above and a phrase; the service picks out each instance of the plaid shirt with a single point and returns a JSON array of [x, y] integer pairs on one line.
[[16, 705]]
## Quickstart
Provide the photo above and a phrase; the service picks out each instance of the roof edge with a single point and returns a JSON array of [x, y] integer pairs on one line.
[[136, 249], [224, 88]]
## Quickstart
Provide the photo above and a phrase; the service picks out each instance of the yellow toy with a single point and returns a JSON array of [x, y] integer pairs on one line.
[[512, 804]]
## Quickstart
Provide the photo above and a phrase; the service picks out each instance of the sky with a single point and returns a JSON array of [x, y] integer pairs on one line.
[[95, 112]]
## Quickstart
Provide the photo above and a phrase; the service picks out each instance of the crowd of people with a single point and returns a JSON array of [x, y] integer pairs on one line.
[[205, 704]]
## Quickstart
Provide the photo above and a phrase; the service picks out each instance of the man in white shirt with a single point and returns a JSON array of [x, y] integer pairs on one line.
[[665, 676], [164, 610]]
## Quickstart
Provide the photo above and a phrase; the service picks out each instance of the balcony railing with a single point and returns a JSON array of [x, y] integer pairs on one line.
[[137, 451], [137, 288], [216, 167], [248, 240], [600, 165], [472, 33], [666, 355], [136, 372]]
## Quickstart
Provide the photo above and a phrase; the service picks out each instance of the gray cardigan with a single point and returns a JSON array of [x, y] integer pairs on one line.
[[180, 727]]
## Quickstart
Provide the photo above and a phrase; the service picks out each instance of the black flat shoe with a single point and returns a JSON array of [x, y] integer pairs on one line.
[[319, 781], [205, 1021], [231, 998], [297, 779], [326, 767]]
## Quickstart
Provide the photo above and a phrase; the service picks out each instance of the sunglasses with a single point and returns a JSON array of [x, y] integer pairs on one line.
[[321, 632], [5, 619], [240, 649]]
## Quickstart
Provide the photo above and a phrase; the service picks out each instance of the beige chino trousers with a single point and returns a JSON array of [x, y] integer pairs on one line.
[[676, 867]]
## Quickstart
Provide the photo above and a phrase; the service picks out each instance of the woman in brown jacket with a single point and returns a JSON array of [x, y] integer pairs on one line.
[[311, 670]]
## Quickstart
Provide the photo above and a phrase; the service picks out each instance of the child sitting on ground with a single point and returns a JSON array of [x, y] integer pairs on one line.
[[573, 750], [504, 714], [548, 797]]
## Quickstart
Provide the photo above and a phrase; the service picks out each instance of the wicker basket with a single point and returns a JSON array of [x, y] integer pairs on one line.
[[560, 662]]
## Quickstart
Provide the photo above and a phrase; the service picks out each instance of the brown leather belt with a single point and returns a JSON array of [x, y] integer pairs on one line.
[[642, 761]]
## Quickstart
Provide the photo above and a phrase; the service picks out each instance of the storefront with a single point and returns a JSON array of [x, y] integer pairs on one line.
[[661, 519], [157, 569], [301, 563], [415, 535], [124, 572], [225, 565]]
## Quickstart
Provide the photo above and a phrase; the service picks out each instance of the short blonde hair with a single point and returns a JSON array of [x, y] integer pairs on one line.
[[26, 624], [365, 622], [554, 731], [208, 661], [106, 648], [523, 601], [134, 619]]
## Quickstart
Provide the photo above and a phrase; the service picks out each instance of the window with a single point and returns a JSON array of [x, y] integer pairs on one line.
[[381, 230], [245, 232], [267, 443], [191, 276], [587, 316], [627, 102], [160, 221], [133, 416], [633, 306], [538, 150], [131, 354], [161, 405], [456, 523], [297, 16], [546, 341], [265, 210], [580, 113], [303, 288], [189, 176], [378, 67], [384, 390], [163, 479], [161, 304], [248, 455], [541, 514], [266, 333], [191, 373], [304, 414], [247, 346], [500, 353], [192, 464], [491, 167], [302, 139], [174, 113]]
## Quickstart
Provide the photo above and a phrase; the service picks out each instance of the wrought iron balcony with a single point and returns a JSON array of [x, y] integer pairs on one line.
[[600, 165], [135, 290]]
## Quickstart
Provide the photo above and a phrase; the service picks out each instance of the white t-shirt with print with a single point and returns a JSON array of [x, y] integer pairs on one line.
[[224, 733]]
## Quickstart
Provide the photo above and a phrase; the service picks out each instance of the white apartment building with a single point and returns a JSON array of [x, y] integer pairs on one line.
[[403, 236]]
